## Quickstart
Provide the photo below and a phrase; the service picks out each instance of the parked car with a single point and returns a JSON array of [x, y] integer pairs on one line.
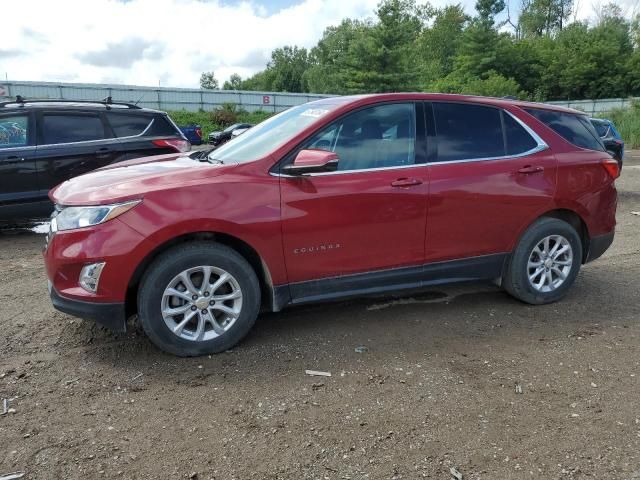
[[193, 133], [45, 142], [218, 138], [332, 199], [610, 138]]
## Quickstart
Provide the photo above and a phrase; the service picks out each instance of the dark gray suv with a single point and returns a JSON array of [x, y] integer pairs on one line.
[[45, 142]]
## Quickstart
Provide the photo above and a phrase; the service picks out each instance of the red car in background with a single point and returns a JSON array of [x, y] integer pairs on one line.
[[336, 198]]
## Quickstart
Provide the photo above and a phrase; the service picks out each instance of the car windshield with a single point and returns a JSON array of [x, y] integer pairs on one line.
[[258, 141]]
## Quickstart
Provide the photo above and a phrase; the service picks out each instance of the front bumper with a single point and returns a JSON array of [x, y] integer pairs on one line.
[[110, 315], [598, 245]]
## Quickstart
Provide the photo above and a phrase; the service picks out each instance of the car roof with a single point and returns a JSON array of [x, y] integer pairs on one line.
[[449, 97]]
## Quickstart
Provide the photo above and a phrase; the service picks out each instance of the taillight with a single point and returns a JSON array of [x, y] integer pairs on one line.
[[199, 132], [612, 167], [177, 144]]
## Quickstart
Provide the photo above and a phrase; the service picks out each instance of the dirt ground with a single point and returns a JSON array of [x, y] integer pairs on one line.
[[436, 387]]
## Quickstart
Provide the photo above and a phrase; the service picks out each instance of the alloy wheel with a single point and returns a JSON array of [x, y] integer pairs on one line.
[[201, 303], [550, 263]]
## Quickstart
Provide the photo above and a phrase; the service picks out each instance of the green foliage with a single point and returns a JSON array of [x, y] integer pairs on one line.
[[205, 120], [208, 80], [544, 17], [408, 46], [627, 122], [234, 82]]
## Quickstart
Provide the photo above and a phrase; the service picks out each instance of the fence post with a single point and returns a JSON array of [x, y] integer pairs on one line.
[[201, 100], [159, 101]]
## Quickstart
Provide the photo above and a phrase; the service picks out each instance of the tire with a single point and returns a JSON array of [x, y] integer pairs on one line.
[[516, 280], [189, 263]]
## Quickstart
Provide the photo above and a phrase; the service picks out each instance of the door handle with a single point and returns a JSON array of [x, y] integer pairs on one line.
[[15, 159], [531, 169], [406, 182]]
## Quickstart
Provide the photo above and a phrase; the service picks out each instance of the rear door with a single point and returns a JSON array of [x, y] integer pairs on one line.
[[71, 143], [18, 178], [491, 176], [367, 216]]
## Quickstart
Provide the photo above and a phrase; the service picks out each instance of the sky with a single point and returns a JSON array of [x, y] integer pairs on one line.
[[170, 42]]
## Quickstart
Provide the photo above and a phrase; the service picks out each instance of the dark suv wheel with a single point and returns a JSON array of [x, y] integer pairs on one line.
[[545, 262], [198, 298]]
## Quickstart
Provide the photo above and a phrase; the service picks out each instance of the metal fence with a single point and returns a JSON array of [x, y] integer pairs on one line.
[[198, 99], [160, 98], [597, 107]]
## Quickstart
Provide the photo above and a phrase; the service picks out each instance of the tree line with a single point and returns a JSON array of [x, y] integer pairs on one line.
[[538, 53]]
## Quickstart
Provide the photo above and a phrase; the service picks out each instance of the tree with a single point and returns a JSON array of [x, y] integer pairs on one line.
[[208, 81], [234, 82], [544, 17], [439, 44], [287, 68]]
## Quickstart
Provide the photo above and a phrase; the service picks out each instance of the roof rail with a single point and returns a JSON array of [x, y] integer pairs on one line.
[[20, 101]]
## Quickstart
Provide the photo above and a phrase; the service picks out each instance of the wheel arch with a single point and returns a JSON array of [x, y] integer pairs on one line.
[[248, 252], [577, 222]]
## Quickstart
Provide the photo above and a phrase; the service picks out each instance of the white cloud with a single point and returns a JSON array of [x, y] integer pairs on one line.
[[143, 41]]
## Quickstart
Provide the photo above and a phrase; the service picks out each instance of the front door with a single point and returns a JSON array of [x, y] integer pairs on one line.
[[18, 178], [490, 178], [368, 216]]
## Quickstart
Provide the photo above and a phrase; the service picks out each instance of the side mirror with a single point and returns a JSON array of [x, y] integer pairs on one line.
[[312, 161]]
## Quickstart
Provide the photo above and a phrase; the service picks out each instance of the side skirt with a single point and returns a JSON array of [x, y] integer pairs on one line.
[[485, 267]]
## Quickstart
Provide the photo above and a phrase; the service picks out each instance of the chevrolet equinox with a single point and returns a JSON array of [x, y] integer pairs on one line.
[[336, 198]]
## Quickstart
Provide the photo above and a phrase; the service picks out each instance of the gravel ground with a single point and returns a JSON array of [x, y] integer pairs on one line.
[[437, 385]]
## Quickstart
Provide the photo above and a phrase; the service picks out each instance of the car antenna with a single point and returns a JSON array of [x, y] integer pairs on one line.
[[141, 97], [19, 99]]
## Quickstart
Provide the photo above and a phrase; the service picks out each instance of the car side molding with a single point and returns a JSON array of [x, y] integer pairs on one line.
[[484, 267]]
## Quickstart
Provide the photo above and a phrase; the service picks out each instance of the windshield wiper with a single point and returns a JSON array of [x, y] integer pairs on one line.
[[214, 161]]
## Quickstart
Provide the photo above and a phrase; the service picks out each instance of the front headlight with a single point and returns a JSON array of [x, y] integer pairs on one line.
[[70, 218]]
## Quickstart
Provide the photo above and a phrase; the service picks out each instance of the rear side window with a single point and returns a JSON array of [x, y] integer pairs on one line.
[[14, 131], [466, 131], [517, 138], [125, 125], [71, 128], [575, 129]]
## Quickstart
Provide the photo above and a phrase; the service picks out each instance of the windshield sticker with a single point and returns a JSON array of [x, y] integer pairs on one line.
[[314, 112]]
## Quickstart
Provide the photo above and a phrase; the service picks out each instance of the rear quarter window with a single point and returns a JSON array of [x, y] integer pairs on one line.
[[574, 128], [131, 125], [125, 125]]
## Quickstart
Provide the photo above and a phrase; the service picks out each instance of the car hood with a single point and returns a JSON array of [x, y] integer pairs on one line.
[[133, 178]]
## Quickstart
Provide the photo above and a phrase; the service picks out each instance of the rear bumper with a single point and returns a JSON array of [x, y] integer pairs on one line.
[[598, 245], [110, 315]]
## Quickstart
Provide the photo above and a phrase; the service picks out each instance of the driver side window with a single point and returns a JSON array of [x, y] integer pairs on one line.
[[375, 137]]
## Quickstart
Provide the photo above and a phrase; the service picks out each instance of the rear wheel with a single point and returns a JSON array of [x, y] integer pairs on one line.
[[545, 263], [198, 298]]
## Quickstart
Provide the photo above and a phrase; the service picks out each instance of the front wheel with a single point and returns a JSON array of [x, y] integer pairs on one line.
[[198, 298], [545, 263]]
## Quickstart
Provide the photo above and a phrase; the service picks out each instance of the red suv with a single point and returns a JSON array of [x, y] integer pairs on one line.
[[335, 198]]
